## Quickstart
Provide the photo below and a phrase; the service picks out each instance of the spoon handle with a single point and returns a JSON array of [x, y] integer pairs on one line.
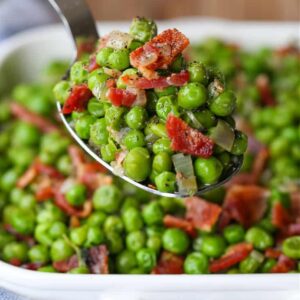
[[76, 16]]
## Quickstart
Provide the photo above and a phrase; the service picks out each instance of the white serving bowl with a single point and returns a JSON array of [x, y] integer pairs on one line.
[[21, 59]]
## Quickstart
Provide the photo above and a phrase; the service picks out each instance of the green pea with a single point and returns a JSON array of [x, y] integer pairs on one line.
[[158, 129], [155, 230], [265, 135], [175, 240], [260, 239], [9, 179], [5, 238], [136, 117], [134, 45], [78, 73], [146, 259], [21, 158], [97, 218], [64, 165], [80, 270], [39, 254], [97, 84], [47, 269], [134, 138], [196, 263], [103, 55], [167, 91], [78, 235], [23, 221], [162, 145], [4, 140], [76, 194], [279, 147], [233, 271], [208, 170], [57, 229], [153, 214], [266, 225], [162, 162], [152, 99], [129, 202], [113, 223], [62, 91], [94, 237], [234, 233], [15, 250], [135, 240], [27, 202], [49, 214], [240, 143], [225, 159], [109, 151], [41, 234], [192, 95], [224, 104], [4, 111], [198, 73], [54, 144], [249, 265], [154, 243], [132, 219], [213, 245], [268, 265], [25, 134], [171, 205], [136, 158], [96, 108], [60, 250], [120, 83], [98, 133], [166, 105], [119, 59], [125, 262], [143, 29], [291, 247], [137, 271], [114, 116], [83, 126], [206, 118], [197, 243], [166, 182], [114, 242], [107, 198]]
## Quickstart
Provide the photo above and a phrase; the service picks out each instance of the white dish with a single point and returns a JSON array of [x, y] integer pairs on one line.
[[21, 59]]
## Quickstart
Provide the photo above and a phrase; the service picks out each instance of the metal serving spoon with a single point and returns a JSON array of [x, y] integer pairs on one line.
[[78, 19]]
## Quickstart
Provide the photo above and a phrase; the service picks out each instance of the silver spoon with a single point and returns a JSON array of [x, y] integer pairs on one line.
[[78, 20]]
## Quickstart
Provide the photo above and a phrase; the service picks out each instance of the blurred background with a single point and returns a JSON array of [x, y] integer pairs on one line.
[[38, 12]]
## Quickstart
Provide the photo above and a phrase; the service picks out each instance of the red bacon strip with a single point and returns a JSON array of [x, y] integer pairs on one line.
[[98, 260], [169, 264], [120, 97], [263, 85], [284, 265], [280, 217], [187, 226]]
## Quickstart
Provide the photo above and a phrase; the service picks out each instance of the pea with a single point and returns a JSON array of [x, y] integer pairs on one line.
[[198, 73], [240, 143], [136, 158], [49, 214], [4, 140], [114, 242], [136, 117], [171, 205], [134, 138], [41, 234], [249, 265], [234, 233], [152, 99], [154, 243], [76, 194], [196, 263], [96, 108], [4, 111], [78, 73], [224, 104], [137, 271], [146, 259], [27, 202], [155, 230], [166, 181], [60, 250], [9, 179], [125, 262], [62, 91], [64, 165], [291, 247], [206, 118], [192, 95], [21, 158], [143, 29], [98, 133], [97, 218], [108, 152], [213, 245], [114, 116], [225, 159], [113, 223], [119, 59], [107, 198], [132, 219], [120, 83], [208, 170], [134, 45], [103, 55], [268, 265], [167, 91], [162, 162], [5, 238], [23, 221], [54, 144], [158, 129], [266, 225], [279, 147], [175, 240], [162, 145], [80, 270], [25, 134], [83, 126], [260, 239], [78, 235], [233, 271], [166, 105], [97, 84], [15, 250], [153, 214], [135, 240], [47, 269], [57, 229], [197, 243], [265, 135], [39, 254], [94, 237]]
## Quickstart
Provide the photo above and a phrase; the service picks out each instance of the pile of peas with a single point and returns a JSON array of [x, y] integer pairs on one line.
[[204, 103]]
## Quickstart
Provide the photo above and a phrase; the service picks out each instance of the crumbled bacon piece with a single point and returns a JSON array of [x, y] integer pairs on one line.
[[97, 260], [29, 175], [15, 262], [186, 139], [272, 253], [92, 64], [78, 99], [284, 265], [160, 51], [280, 217], [44, 192], [29, 240], [245, 204], [120, 97], [264, 88], [169, 263], [33, 266], [201, 213], [66, 265], [187, 226], [30, 117]]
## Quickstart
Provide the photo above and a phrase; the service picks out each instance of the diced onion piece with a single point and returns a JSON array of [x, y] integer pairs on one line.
[[257, 256], [118, 40], [194, 122], [185, 176], [223, 135], [112, 72]]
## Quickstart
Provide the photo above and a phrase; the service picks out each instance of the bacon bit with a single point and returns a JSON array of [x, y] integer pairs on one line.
[[245, 204], [77, 156], [97, 260], [15, 262], [188, 140], [78, 99], [32, 266], [110, 83], [66, 265], [260, 163], [272, 253], [201, 213], [169, 263], [284, 265], [120, 97], [30, 117], [74, 222], [294, 229], [85, 46], [29, 240], [92, 64], [280, 217], [187, 226], [29, 175], [175, 79], [263, 86], [160, 51], [44, 193], [234, 255], [47, 170]]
